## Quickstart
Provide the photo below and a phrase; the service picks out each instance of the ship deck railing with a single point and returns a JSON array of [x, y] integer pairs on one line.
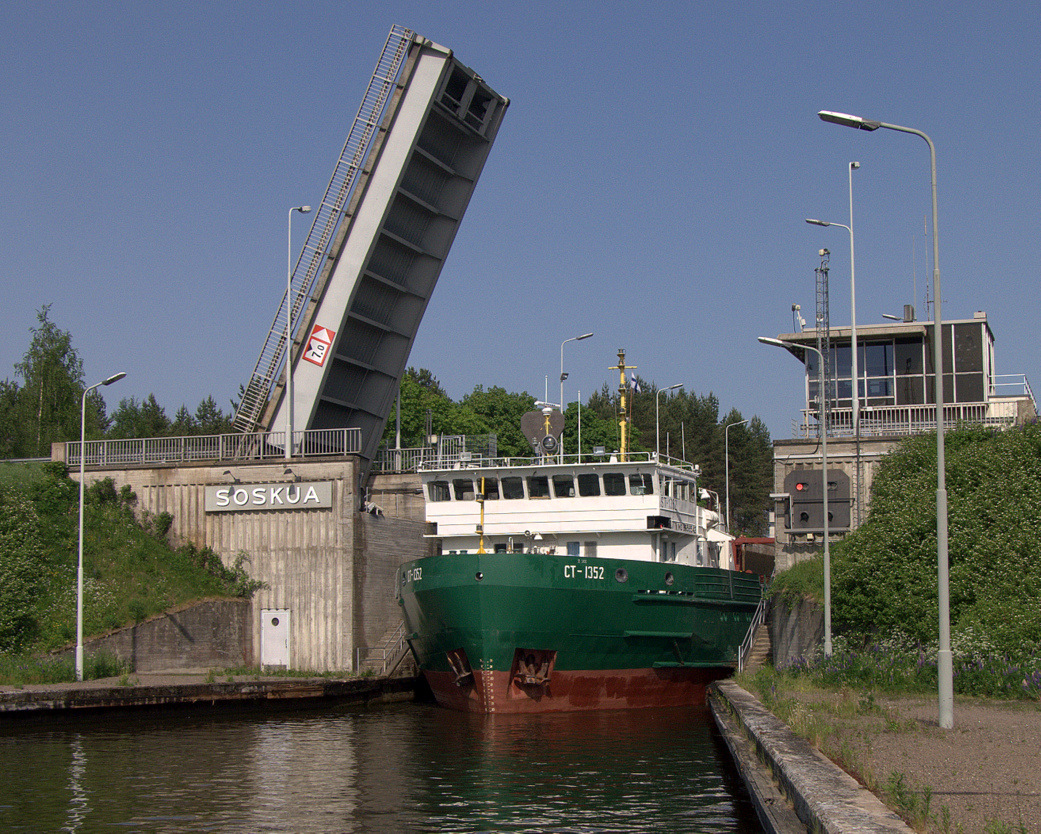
[[427, 459]]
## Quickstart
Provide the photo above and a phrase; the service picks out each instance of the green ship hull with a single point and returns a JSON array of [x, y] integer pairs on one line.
[[529, 632]]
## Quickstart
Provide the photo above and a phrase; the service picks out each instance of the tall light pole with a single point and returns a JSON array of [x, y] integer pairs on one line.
[[289, 330], [657, 400], [853, 338], [726, 463], [79, 563], [944, 661], [563, 376], [824, 483]]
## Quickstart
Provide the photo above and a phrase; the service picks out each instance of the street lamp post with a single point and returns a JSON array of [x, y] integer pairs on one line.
[[657, 400], [79, 563], [289, 330], [563, 376], [824, 482], [726, 463], [944, 661]]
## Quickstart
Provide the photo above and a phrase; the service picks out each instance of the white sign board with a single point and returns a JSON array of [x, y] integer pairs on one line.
[[242, 497]]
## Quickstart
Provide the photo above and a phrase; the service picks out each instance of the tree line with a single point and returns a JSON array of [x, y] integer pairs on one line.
[[45, 408]]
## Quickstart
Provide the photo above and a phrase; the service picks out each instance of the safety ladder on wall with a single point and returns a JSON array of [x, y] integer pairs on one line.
[[319, 240]]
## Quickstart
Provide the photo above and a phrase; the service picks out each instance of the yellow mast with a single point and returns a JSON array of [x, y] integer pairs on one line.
[[480, 527], [623, 425]]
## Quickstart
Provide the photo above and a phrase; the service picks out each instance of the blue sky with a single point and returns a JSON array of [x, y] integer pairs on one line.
[[649, 183]]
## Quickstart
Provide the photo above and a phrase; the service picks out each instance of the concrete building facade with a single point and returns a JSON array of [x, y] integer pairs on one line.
[[896, 398], [327, 566]]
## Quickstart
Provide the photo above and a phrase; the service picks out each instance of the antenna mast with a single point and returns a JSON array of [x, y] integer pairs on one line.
[[824, 340]]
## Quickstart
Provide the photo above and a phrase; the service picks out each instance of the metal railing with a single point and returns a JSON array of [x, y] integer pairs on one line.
[[213, 448], [758, 618], [430, 457], [908, 419], [383, 660], [1012, 385]]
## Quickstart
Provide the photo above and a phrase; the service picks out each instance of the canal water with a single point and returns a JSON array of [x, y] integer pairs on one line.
[[403, 768]]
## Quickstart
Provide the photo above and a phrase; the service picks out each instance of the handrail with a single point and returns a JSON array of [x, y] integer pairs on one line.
[[907, 419], [393, 651], [213, 448], [430, 458], [757, 620]]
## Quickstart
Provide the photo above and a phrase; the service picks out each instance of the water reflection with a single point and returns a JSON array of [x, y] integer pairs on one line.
[[406, 768]]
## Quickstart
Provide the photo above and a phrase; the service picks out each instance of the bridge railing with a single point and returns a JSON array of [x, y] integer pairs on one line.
[[237, 447]]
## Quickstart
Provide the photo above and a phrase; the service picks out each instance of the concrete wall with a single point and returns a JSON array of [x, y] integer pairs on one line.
[[210, 634], [332, 568], [796, 631]]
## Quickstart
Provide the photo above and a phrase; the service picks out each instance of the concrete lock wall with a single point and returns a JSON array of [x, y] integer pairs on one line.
[[332, 567], [796, 630], [207, 634]]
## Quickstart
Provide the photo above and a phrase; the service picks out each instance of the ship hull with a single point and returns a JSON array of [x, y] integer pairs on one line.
[[521, 633]]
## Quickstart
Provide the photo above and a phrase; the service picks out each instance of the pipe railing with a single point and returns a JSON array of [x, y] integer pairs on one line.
[[215, 448]]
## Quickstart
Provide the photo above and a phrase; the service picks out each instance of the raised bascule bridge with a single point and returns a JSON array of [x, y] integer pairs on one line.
[[284, 494], [380, 236]]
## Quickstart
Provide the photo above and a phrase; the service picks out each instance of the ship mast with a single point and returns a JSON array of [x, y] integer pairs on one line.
[[623, 425]]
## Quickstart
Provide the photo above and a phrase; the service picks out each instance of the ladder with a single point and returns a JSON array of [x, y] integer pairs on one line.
[[274, 357]]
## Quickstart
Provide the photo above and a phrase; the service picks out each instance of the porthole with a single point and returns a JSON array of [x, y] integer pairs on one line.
[[621, 575], [274, 621], [669, 579], [478, 576]]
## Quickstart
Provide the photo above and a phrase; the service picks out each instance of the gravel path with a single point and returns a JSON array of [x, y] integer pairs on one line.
[[985, 770]]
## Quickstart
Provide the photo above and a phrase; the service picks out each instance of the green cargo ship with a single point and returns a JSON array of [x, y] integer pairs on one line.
[[562, 584]]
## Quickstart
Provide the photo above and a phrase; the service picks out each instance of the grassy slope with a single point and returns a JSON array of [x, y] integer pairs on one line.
[[130, 572]]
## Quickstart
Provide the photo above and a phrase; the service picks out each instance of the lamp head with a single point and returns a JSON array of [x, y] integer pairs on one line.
[[814, 222], [848, 121], [114, 378]]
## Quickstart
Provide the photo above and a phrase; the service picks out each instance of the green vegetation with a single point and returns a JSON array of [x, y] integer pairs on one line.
[[130, 572], [884, 586]]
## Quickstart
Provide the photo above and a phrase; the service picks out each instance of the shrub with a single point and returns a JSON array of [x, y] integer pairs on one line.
[[21, 568]]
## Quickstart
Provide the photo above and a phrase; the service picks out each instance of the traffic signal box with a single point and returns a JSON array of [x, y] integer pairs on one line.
[[806, 500]]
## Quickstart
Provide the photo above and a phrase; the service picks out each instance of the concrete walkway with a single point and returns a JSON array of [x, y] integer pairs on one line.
[[182, 688], [794, 787]]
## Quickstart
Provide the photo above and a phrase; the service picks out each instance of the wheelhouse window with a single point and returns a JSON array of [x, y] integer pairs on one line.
[[437, 491], [463, 489], [490, 487], [588, 485], [563, 486], [538, 486], [512, 488], [641, 484], [614, 483]]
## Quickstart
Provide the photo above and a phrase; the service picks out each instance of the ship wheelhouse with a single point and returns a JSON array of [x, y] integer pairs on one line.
[[638, 509]]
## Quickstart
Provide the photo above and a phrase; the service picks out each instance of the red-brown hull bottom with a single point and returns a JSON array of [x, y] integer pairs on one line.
[[494, 692]]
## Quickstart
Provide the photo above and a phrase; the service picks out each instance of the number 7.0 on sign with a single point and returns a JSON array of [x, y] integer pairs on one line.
[[319, 344]]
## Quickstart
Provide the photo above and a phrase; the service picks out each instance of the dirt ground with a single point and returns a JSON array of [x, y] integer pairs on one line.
[[986, 771]]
